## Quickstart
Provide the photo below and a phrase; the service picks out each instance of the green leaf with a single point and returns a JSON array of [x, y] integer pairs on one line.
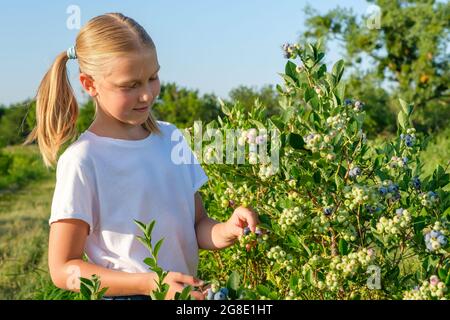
[[404, 105], [321, 71], [141, 225], [159, 295], [293, 282], [340, 91], [149, 229], [402, 120], [143, 241], [343, 247], [101, 293], [442, 274], [339, 181], [233, 281], [309, 277], [87, 282], [320, 56], [407, 108], [85, 292], [440, 178], [291, 71], [296, 141], [394, 273], [150, 262], [317, 177], [224, 108], [314, 102], [338, 70], [258, 124], [185, 293], [306, 248], [262, 290], [157, 247], [309, 94]]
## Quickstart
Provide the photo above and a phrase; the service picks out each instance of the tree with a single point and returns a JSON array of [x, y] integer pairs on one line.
[[267, 95], [182, 107], [408, 52], [13, 125]]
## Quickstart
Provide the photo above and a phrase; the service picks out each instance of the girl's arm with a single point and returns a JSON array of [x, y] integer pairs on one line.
[[66, 248], [214, 235]]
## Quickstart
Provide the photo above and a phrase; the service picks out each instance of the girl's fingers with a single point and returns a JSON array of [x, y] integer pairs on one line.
[[189, 280], [197, 295], [250, 217]]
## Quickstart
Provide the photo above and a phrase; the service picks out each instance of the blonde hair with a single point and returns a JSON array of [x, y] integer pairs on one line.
[[102, 38]]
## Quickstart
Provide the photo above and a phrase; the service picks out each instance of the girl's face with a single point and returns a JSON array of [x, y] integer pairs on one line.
[[130, 83]]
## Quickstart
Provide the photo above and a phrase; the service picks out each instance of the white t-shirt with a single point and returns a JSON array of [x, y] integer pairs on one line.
[[109, 183]]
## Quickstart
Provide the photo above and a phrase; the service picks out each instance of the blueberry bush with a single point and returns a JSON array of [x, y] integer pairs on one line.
[[341, 217]]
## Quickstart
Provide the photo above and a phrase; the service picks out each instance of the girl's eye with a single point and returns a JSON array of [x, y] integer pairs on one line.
[[135, 84], [127, 87]]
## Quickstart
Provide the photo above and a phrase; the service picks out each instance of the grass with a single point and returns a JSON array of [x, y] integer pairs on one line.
[[24, 230], [23, 239], [437, 153]]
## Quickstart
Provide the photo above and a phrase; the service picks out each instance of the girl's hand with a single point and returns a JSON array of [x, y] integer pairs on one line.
[[242, 217], [177, 281]]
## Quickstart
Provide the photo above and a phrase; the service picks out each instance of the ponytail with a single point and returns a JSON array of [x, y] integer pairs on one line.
[[56, 112]]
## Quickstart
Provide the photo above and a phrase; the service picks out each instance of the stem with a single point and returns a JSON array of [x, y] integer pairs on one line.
[[359, 226]]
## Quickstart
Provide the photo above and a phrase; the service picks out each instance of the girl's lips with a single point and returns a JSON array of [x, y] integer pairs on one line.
[[142, 109]]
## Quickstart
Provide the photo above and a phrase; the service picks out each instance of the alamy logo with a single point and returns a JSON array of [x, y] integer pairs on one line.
[[373, 20], [73, 21]]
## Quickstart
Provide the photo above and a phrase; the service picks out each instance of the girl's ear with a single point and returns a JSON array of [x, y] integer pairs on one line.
[[88, 84]]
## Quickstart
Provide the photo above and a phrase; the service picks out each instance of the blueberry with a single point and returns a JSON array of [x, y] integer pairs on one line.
[[434, 234], [393, 188], [356, 171], [287, 48], [442, 240], [219, 296], [327, 211], [409, 140], [210, 294], [358, 105], [246, 231], [348, 102], [382, 191], [399, 211], [416, 182], [224, 291]]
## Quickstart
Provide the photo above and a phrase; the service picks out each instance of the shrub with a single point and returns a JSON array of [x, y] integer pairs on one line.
[[344, 219]]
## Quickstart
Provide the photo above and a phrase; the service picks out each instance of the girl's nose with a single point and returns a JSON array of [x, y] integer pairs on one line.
[[145, 97]]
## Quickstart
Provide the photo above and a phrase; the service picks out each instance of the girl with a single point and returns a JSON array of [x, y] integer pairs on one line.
[[121, 169]]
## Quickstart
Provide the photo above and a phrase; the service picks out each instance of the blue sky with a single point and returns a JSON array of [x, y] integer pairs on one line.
[[212, 46]]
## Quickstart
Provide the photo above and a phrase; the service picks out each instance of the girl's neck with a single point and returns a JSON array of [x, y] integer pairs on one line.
[[133, 133]]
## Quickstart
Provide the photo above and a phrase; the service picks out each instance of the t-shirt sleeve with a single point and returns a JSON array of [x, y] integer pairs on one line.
[[198, 175], [196, 172], [74, 195], [188, 159]]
